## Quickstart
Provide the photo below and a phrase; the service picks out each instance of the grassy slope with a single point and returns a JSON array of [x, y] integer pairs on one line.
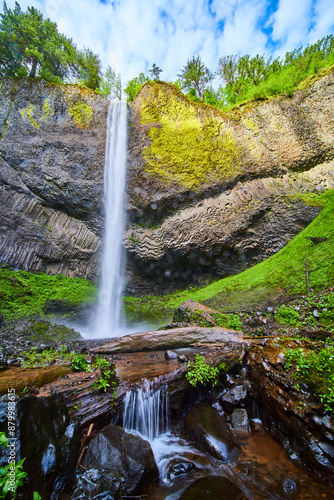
[[286, 269]]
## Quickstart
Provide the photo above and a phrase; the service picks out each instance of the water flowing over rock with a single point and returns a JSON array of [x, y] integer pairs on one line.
[[110, 299], [146, 411]]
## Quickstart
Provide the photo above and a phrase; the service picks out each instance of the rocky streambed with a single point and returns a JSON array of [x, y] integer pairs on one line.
[[255, 435]]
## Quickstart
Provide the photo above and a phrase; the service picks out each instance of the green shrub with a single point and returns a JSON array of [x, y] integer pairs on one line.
[[201, 372], [316, 370]]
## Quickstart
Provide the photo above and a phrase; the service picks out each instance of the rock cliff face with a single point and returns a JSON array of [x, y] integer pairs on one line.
[[51, 176], [209, 193]]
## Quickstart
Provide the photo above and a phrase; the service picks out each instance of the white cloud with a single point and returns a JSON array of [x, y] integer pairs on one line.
[[131, 35]]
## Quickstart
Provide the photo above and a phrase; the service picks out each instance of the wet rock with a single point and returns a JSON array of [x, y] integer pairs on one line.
[[124, 456], [49, 442], [240, 420], [171, 355], [177, 468], [234, 397], [182, 358], [212, 487], [289, 488], [96, 485], [209, 431]]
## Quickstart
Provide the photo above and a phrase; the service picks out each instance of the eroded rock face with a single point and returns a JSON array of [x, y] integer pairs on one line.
[[51, 173], [208, 194]]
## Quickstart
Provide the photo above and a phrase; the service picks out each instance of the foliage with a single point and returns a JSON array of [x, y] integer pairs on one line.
[[200, 372], [24, 294], [134, 86], [79, 363], [31, 46], [7, 476], [316, 370], [89, 69], [111, 84], [287, 315], [34, 359], [195, 75], [257, 78], [155, 72], [229, 321]]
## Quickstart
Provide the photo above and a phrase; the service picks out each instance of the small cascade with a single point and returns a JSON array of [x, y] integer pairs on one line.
[[109, 309], [146, 411]]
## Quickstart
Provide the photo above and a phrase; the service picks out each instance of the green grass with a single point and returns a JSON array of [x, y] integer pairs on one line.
[[24, 294], [284, 270]]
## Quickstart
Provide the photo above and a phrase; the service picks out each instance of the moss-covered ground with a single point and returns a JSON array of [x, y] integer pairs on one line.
[[24, 294]]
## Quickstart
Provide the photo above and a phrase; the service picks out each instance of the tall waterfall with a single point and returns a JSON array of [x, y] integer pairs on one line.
[[146, 411], [109, 307]]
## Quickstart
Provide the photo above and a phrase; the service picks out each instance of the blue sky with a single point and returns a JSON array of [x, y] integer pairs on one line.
[[131, 35]]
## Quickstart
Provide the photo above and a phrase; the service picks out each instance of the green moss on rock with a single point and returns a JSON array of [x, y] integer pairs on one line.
[[28, 114], [81, 114], [190, 145]]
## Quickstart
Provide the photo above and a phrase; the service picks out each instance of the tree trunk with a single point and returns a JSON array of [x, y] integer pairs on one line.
[[33, 69]]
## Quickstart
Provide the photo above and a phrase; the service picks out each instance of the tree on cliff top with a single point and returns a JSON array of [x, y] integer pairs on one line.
[[31, 46], [196, 76]]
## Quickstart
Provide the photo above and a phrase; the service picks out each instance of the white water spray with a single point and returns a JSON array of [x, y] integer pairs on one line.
[[109, 309]]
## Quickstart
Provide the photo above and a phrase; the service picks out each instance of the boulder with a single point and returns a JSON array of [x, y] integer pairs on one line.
[[118, 455], [210, 432], [240, 420], [97, 485], [191, 312]]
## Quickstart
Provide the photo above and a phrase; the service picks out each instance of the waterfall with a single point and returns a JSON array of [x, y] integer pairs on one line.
[[146, 411], [109, 307]]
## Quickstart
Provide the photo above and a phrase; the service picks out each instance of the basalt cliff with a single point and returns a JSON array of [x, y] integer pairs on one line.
[[208, 193]]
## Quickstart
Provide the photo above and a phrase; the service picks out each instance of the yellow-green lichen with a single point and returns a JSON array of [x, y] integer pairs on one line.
[[250, 124], [28, 113], [81, 114], [189, 145], [48, 110]]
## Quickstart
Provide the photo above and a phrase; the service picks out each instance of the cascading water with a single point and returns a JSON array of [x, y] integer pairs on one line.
[[146, 411], [109, 309]]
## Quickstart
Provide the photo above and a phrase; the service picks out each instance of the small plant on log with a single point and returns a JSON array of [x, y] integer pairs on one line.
[[200, 372]]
